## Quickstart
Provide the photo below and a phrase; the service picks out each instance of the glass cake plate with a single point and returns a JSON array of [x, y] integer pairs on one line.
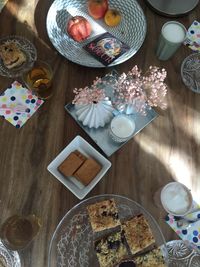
[[27, 48], [131, 30], [8, 257], [72, 241]]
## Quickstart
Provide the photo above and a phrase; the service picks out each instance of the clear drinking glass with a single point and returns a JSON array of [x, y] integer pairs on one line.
[[39, 79], [18, 231], [122, 127], [176, 199]]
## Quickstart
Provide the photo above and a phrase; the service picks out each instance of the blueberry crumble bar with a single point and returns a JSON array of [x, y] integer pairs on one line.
[[138, 233], [111, 249], [154, 258], [103, 215]]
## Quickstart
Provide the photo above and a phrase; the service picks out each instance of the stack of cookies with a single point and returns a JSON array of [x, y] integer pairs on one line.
[[129, 238], [79, 166]]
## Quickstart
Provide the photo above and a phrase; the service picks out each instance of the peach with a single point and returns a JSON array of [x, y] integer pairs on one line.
[[97, 8]]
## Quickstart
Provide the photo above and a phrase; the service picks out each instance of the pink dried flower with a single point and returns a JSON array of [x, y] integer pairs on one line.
[[89, 95], [141, 91]]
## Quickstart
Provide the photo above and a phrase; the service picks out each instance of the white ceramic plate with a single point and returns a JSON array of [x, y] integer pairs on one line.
[[71, 183]]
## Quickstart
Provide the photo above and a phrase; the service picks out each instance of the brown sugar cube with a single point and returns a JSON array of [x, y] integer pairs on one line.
[[70, 164], [87, 171]]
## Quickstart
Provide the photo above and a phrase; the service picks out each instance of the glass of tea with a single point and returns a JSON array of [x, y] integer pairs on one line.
[[18, 231], [39, 79]]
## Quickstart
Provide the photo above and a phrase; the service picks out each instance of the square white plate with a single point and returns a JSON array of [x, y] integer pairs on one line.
[[79, 190]]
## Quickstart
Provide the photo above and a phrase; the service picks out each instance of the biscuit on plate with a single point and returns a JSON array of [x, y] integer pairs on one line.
[[103, 215], [88, 171], [11, 55], [71, 164]]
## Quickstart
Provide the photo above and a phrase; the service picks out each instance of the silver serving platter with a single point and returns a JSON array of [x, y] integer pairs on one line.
[[190, 72], [101, 135], [182, 254], [27, 48], [173, 8], [131, 30]]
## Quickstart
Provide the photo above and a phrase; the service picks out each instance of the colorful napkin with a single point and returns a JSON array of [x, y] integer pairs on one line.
[[191, 232], [193, 37], [18, 104]]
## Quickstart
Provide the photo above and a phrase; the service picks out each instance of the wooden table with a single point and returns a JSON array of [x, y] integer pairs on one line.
[[166, 150]]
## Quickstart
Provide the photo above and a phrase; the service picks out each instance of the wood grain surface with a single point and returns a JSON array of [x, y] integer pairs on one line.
[[166, 150]]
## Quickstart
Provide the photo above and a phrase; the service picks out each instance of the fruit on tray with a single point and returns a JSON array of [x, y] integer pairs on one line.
[[79, 28], [112, 17], [97, 8]]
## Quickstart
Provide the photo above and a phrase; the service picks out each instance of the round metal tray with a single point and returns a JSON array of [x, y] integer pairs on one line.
[[172, 8], [131, 30]]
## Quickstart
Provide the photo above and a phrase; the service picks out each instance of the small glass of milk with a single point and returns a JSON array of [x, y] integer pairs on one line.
[[172, 35], [176, 199], [122, 127]]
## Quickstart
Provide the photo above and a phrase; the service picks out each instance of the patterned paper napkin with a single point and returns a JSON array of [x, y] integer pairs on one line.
[[18, 104], [191, 232], [193, 37]]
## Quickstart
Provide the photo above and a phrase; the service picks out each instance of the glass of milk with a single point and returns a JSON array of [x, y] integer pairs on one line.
[[122, 127], [176, 199], [172, 35]]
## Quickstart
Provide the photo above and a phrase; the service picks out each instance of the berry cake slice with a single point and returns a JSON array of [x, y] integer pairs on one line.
[[138, 233], [154, 258], [103, 215], [111, 249]]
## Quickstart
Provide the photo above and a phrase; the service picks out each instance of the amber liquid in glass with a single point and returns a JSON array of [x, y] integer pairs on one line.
[[39, 80], [17, 231]]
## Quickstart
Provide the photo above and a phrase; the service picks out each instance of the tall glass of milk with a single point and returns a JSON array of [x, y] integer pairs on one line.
[[176, 199], [122, 127], [172, 35]]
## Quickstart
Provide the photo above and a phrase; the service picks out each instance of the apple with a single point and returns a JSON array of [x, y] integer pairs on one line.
[[79, 28], [97, 8]]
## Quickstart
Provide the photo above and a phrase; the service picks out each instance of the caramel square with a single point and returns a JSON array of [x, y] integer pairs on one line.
[[70, 164], [87, 171]]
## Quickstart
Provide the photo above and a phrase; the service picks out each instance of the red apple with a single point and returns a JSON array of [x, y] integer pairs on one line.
[[97, 8], [78, 28]]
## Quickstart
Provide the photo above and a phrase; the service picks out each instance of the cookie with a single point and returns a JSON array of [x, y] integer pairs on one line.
[[11, 55], [88, 171], [70, 164]]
